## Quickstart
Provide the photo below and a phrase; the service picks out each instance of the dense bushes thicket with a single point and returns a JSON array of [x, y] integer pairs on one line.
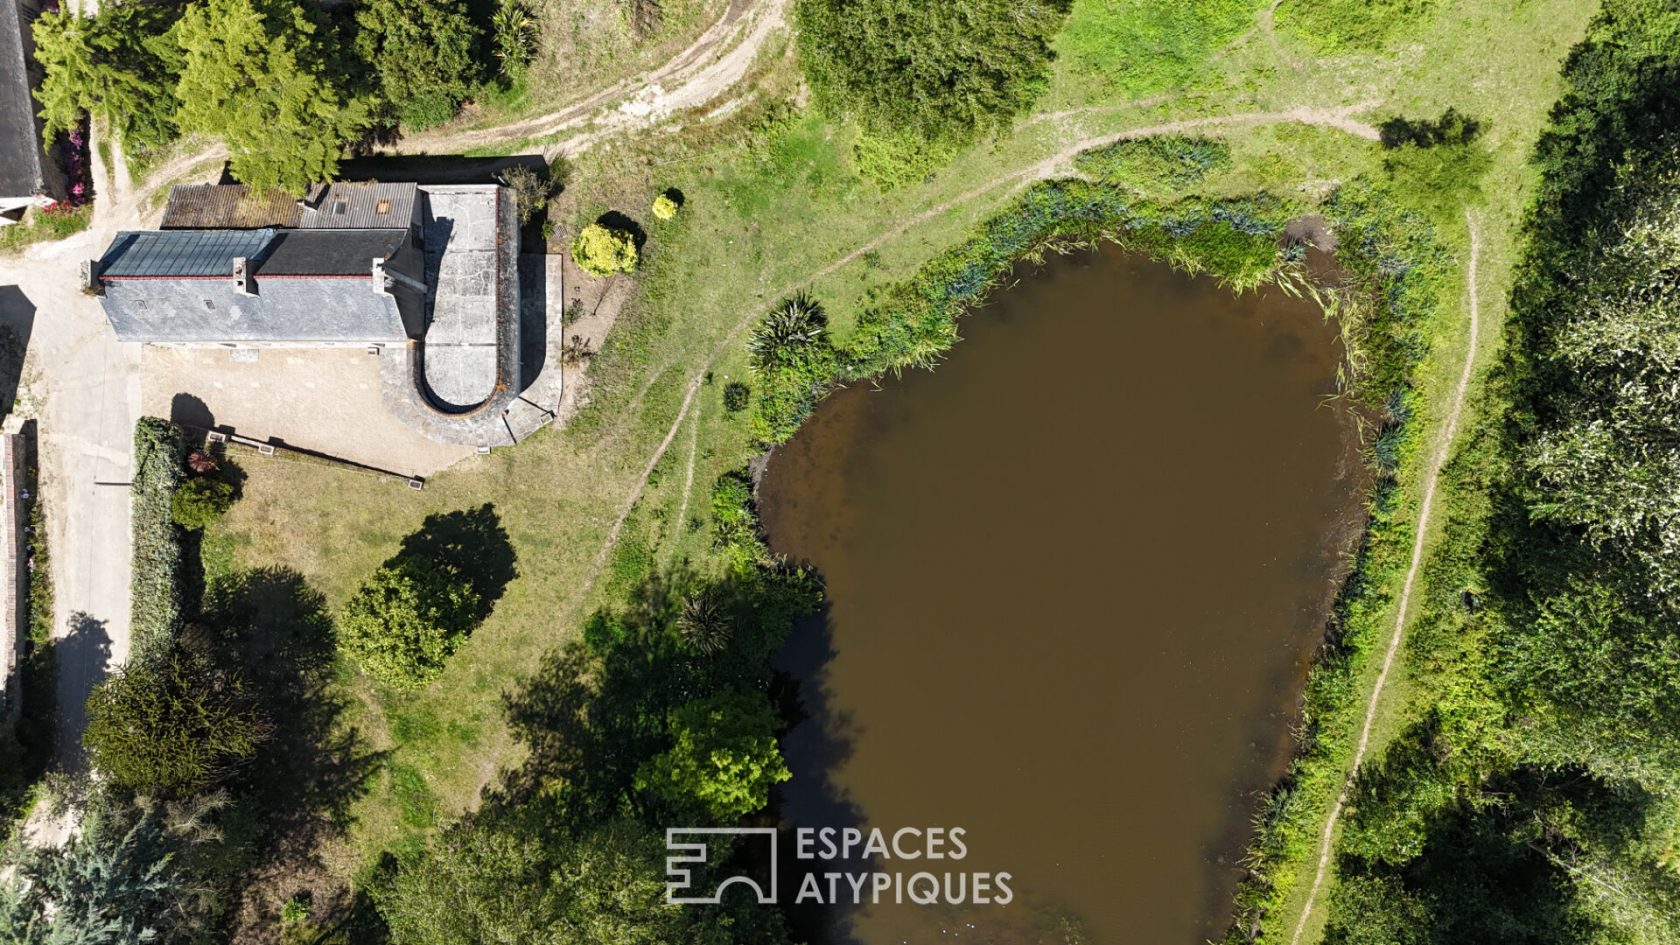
[[1171, 163], [1338, 25], [1536, 799], [159, 465], [924, 77]]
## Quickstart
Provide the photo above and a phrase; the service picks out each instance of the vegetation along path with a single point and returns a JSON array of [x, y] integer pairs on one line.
[[1432, 476]]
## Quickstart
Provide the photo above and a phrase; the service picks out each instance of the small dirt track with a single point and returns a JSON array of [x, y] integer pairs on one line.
[[1432, 477]]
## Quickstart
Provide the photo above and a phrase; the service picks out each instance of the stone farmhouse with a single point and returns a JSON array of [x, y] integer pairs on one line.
[[426, 276]]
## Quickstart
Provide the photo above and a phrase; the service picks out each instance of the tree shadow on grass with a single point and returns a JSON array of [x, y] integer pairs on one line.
[[614, 220], [472, 541], [295, 795]]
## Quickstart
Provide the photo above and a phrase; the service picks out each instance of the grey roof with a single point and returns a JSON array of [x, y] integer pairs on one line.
[[327, 252], [22, 167], [305, 286], [180, 253], [352, 205], [290, 311], [343, 205]]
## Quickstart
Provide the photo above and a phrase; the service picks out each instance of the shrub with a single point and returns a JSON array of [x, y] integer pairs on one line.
[[514, 33], [1453, 127], [176, 726], [791, 330], [735, 396], [724, 761], [296, 910], [601, 251], [407, 619], [665, 206], [201, 501], [155, 611], [531, 190]]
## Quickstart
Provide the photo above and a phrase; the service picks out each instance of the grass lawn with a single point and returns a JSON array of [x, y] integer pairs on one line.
[[773, 204]]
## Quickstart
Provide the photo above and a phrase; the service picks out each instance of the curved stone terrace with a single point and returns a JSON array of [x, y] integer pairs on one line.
[[457, 382]]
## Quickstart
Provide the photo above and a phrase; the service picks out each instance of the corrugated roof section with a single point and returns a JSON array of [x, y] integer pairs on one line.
[[338, 206], [357, 206], [227, 206], [180, 253], [329, 252]]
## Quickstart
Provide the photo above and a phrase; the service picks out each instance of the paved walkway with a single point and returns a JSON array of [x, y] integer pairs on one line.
[[84, 388]]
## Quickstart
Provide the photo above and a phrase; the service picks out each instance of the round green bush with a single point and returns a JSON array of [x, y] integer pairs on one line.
[[602, 251], [407, 619], [199, 502], [664, 207]]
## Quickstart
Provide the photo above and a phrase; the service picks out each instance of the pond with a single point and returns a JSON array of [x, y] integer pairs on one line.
[[1075, 576]]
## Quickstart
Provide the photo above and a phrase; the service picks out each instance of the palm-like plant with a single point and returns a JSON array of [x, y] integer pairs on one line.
[[702, 623], [794, 325], [513, 27]]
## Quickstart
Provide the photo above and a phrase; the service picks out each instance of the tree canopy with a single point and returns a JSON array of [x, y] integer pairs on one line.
[[117, 65], [421, 53], [173, 725], [116, 882], [725, 759], [254, 75], [1536, 803], [407, 619], [940, 69]]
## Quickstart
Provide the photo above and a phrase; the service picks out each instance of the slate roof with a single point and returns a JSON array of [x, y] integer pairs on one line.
[[328, 252], [182, 254], [345, 205], [22, 168]]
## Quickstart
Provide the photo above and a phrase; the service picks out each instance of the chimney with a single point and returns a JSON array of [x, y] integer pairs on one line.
[[90, 278], [242, 276]]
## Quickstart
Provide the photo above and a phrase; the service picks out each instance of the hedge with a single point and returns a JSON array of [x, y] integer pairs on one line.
[[156, 610]]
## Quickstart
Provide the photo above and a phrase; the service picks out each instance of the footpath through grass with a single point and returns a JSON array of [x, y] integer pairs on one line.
[[773, 202]]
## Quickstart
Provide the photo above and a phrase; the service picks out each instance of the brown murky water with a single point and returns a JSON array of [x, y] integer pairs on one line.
[[1074, 575]]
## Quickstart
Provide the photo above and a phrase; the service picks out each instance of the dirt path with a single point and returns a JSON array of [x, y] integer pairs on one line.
[[1062, 162], [719, 59], [1437, 461], [678, 524]]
